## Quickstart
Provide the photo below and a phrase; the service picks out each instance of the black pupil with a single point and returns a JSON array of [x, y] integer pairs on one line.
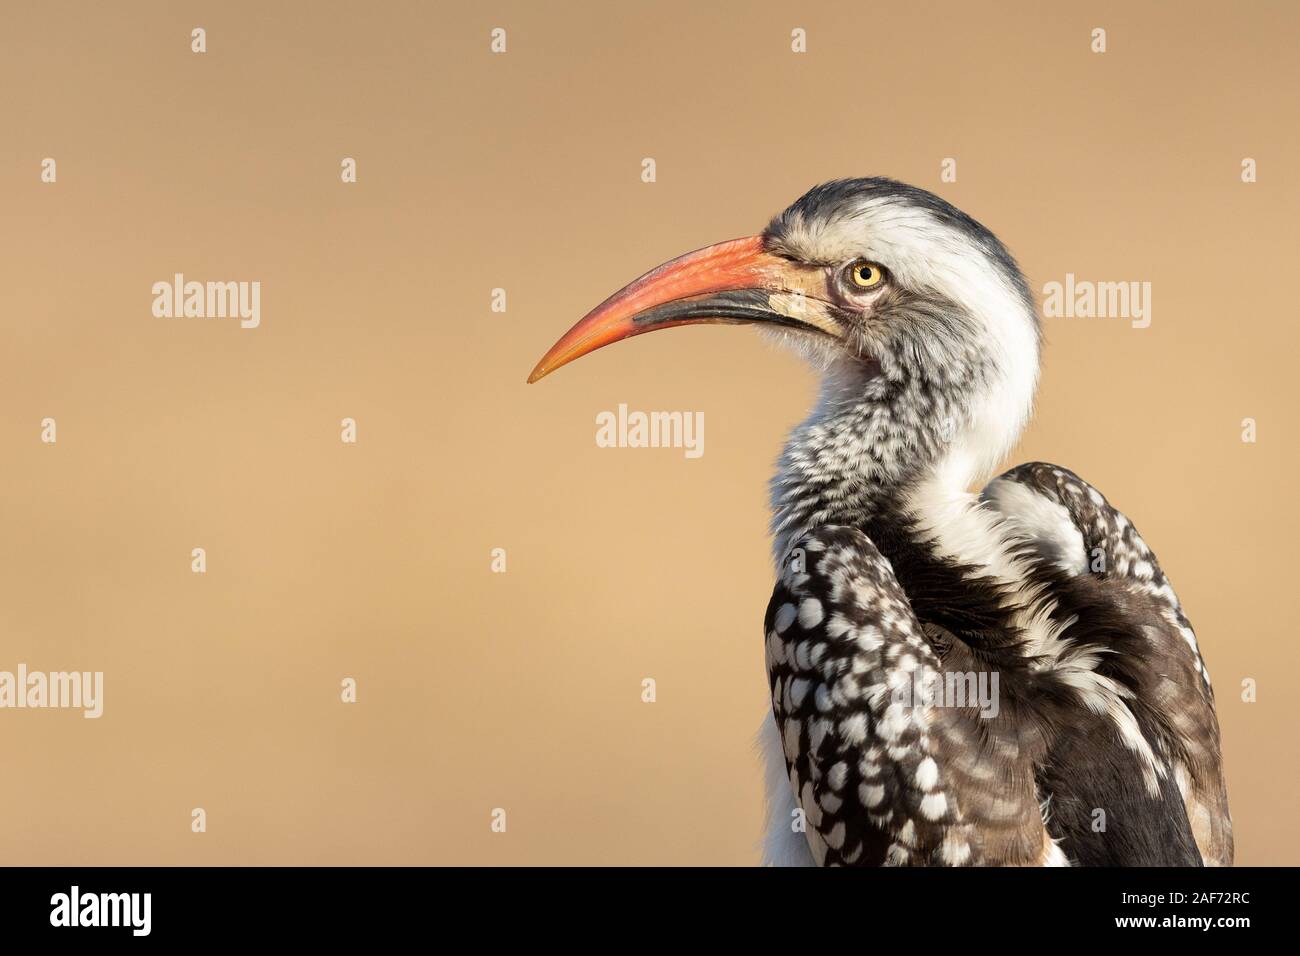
[[864, 273]]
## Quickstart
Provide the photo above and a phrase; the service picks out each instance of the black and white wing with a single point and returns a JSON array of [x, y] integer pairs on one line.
[[880, 774], [1100, 560]]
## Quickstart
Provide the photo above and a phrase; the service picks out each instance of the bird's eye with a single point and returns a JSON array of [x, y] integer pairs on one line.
[[866, 275]]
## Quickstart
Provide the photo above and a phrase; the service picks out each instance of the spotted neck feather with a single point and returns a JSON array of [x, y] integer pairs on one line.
[[867, 441]]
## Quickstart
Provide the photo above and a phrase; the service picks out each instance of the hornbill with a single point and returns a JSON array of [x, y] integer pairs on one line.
[[899, 589]]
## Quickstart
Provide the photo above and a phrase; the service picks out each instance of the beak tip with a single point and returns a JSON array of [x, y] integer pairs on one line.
[[548, 364], [734, 265]]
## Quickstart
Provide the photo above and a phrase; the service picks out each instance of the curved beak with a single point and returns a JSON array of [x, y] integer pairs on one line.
[[729, 283]]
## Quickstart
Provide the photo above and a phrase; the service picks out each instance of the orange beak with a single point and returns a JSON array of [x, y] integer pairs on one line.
[[729, 283]]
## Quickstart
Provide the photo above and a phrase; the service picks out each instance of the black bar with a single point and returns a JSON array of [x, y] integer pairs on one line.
[[207, 905]]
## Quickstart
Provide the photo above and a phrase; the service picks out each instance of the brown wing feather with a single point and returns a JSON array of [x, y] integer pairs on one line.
[[1116, 555], [883, 776]]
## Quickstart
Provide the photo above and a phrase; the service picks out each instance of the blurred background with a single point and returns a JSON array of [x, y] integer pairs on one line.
[[522, 171]]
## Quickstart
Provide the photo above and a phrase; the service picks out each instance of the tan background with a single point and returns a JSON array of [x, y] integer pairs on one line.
[[522, 690]]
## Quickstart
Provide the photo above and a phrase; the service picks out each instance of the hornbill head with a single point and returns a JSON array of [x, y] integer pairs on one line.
[[910, 308]]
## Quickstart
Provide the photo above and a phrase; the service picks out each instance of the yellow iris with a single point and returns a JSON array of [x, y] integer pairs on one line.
[[866, 274]]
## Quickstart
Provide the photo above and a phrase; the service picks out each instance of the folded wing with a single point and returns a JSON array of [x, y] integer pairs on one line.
[[1098, 553]]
